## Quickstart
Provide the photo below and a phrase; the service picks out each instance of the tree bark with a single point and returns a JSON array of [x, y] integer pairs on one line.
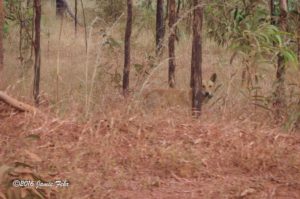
[[176, 20], [1, 37], [160, 28], [128, 31], [37, 50], [281, 70], [196, 62], [16, 104], [76, 6], [172, 38], [298, 34]]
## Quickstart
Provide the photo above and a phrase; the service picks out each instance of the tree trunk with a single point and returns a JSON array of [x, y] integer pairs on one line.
[[272, 12], [281, 70], [1, 37], [76, 6], [196, 62], [16, 104], [127, 48], [176, 20], [160, 28], [37, 51], [298, 34], [172, 38]]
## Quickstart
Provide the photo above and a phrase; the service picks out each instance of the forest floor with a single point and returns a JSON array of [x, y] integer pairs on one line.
[[167, 156]]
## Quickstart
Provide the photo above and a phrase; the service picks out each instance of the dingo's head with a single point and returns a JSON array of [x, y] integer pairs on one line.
[[163, 98], [208, 87]]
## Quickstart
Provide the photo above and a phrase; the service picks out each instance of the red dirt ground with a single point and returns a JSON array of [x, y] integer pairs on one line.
[[160, 158]]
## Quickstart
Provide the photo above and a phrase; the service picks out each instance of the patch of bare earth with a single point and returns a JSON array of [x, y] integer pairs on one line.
[[166, 156]]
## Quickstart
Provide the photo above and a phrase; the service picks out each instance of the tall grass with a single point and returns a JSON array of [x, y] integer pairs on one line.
[[91, 80]]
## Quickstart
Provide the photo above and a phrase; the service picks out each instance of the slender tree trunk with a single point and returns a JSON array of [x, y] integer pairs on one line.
[[298, 53], [272, 12], [178, 8], [298, 34], [127, 48], [160, 28], [1, 37], [192, 80], [76, 6], [172, 38], [37, 50], [281, 70], [196, 62], [177, 18], [193, 50]]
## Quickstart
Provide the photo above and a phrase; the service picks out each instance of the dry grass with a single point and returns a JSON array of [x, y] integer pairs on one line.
[[169, 156], [108, 147]]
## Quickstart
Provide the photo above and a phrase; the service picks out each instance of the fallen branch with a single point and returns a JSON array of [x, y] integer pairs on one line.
[[17, 104]]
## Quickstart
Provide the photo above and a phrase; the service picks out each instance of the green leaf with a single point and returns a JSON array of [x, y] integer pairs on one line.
[[289, 56], [32, 137]]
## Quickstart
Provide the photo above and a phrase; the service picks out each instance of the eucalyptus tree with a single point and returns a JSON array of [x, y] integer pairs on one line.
[[37, 50], [171, 43], [160, 27], [128, 31], [281, 66], [244, 26], [196, 61]]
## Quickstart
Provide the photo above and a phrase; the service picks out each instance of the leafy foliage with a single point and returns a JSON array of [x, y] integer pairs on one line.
[[111, 10], [245, 27]]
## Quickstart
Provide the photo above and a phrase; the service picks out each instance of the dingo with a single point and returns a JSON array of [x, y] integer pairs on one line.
[[162, 98]]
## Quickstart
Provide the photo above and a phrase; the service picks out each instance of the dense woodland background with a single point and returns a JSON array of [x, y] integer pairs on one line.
[[83, 71]]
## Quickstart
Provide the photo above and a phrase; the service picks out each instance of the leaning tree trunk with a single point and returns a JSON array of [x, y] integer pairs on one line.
[[196, 62], [172, 38], [128, 31], [37, 50], [17, 104], [1, 36], [281, 70], [160, 28]]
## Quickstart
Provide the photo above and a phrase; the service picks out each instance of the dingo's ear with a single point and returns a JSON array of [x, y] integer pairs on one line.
[[213, 77]]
